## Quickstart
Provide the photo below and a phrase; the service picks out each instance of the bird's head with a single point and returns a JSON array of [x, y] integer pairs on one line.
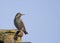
[[19, 15]]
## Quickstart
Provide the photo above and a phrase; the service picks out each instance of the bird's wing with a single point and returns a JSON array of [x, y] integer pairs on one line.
[[23, 26]]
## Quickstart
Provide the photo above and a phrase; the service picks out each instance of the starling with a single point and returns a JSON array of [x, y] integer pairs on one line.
[[19, 23]]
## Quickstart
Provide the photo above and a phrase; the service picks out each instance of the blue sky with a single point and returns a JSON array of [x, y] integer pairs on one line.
[[42, 18]]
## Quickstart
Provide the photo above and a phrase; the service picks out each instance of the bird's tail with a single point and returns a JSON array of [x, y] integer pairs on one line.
[[25, 32]]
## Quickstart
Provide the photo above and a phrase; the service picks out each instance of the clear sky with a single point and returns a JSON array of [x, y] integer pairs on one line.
[[42, 18]]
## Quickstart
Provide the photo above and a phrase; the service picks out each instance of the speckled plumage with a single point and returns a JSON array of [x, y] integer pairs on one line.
[[19, 24]]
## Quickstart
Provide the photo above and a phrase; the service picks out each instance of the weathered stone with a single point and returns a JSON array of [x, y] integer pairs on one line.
[[7, 36]]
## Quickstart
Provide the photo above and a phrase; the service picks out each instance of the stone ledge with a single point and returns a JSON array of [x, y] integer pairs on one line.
[[7, 36]]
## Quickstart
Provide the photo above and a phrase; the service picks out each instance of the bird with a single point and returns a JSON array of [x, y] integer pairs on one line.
[[19, 24]]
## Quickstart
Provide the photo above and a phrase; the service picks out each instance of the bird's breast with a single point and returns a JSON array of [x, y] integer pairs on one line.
[[18, 22]]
